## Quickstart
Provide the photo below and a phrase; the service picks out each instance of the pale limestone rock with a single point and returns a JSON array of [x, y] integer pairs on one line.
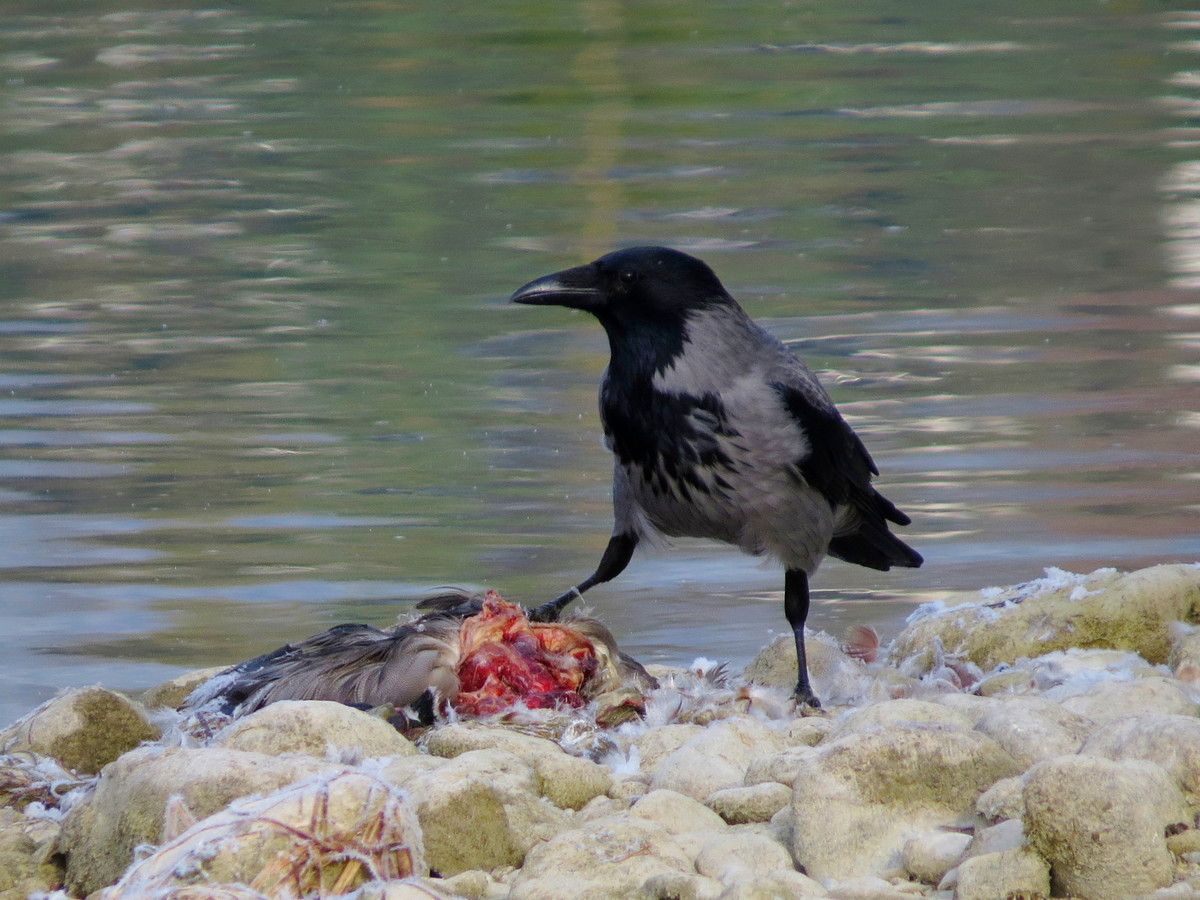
[[928, 857], [609, 859], [969, 705], [808, 731], [780, 768], [676, 813], [1172, 741], [782, 825], [865, 887], [456, 738], [472, 884], [884, 715], [207, 892], [627, 787], [1003, 800], [24, 867], [565, 780], [600, 808], [569, 781], [1133, 611], [717, 758], [1006, 873], [864, 795], [1101, 824], [1032, 728], [753, 803], [481, 810], [658, 743], [318, 728], [416, 889], [1185, 654], [398, 769], [171, 694], [1179, 891], [84, 729], [781, 884], [1110, 700], [128, 806], [332, 830], [1184, 842], [1006, 835], [734, 857], [836, 676], [681, 886], [1006, 682]]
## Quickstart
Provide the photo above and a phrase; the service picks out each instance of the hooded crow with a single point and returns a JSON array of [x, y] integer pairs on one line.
[[718, 431]]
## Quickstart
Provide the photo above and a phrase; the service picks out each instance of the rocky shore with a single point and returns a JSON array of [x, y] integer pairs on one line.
[[1037, 741]]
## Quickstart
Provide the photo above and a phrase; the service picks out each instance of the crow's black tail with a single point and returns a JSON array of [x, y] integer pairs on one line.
[[872, 544]]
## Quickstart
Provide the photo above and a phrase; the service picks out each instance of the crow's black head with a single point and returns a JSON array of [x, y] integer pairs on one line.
[[628, 288]]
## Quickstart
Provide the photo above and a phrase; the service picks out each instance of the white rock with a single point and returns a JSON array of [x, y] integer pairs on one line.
[[970, 705], [865, 887], [399, 769], [837, 677], [608, 858], [892, 712], [599, 808], [1172, 741], [173, 692], [1003, 800], [1110, 700], [676, 813], [346, 825], [717, 758], [565, 780], [1100, 824], [780, 768], [807, 731], [412, 889], [481, 810], [928, 857], [1007, 873], [1006, 835], [1179, 891], [128, 805], [83, 728], [317, 728], [736, 857], [865, 794], [1133, 611], [627, 787], [658, 743], [782, 884], [754, 803], [682, 886], [1032, 728]]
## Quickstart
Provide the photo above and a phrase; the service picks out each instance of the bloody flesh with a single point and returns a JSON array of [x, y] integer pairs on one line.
[[507, 660]]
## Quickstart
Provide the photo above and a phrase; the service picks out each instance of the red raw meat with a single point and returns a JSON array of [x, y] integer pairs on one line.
[[507, 660]]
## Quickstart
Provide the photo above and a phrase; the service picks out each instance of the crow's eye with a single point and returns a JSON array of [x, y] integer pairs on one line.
[[627, 276]]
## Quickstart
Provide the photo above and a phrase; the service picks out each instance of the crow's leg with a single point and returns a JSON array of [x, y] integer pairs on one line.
[[616, 557], [795, 607]]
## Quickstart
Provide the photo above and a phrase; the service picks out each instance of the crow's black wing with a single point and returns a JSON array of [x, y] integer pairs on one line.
[[839, 468]]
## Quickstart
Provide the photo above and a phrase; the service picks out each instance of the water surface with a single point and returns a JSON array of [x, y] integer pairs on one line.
[[258, 375]]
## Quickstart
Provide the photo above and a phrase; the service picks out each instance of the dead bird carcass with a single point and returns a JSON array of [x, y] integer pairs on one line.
[[469, 656]]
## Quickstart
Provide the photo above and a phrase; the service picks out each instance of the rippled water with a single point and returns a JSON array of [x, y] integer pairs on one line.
[[258, 376]]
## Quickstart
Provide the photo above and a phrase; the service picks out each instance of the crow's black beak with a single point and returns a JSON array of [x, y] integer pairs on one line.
[[576, 288]]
